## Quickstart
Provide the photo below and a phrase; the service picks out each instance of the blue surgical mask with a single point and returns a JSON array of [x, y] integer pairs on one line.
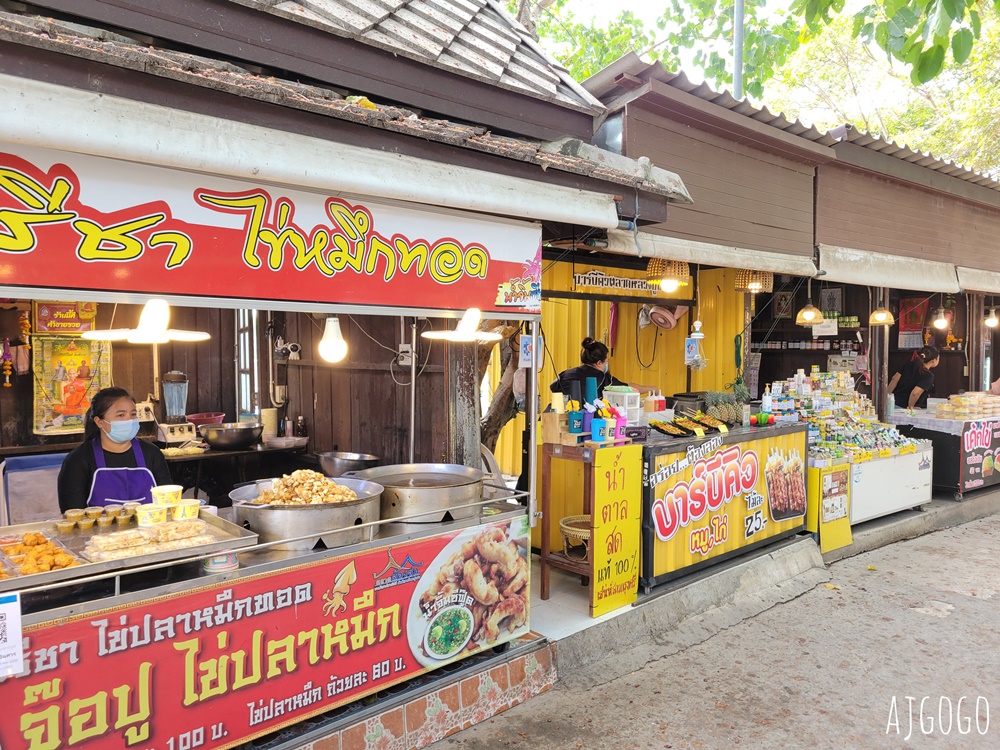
[[123, 431], [607, 366]]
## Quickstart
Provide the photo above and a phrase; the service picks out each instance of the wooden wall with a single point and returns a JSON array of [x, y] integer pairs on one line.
[[355, 405], [864, 211], [351, 406], [743, 197]]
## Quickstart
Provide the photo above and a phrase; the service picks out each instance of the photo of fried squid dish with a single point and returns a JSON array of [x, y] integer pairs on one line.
[[493, 570], [786, 484]]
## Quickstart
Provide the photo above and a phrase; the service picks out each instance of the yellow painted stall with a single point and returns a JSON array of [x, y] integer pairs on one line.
[[649, 356]]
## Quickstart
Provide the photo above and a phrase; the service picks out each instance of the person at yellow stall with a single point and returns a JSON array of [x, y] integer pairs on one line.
[[593, 364]]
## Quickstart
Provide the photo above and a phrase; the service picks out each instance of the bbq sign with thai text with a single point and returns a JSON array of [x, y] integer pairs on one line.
[[716, 497], [71, 221], [225, 664]]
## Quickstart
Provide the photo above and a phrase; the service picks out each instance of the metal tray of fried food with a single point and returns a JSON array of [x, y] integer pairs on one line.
[[229, 538]]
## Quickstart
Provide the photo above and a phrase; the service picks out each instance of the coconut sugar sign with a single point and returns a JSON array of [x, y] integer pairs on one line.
[[71, 221]]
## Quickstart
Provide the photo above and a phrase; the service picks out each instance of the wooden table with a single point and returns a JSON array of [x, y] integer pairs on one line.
[[240, 457], [584, 455]]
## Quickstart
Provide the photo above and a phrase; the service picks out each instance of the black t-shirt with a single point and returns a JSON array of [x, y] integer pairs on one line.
[[911, 377], [581, 373], [77, 472]]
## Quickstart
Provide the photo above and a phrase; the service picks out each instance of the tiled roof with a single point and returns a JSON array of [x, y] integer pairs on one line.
[[121, 51], [473, 38], [603, 86]]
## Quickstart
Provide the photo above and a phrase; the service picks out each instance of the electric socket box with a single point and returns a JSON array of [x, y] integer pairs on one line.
[[145, 411], [280, 393], [405, 356]]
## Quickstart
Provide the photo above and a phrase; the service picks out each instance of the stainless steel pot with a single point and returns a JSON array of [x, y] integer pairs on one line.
[[274, 523], [338, 463], [429, 491], [231, 436]]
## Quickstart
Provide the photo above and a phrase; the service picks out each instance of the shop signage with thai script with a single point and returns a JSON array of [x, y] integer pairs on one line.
[[79, 222], [980, 453], [616, 527], [222, 665], [716, 497]]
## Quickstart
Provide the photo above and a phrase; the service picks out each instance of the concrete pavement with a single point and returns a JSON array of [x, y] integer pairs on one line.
[[845, 665]]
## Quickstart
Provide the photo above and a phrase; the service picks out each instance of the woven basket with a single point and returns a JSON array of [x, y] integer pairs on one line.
[[575, 532]]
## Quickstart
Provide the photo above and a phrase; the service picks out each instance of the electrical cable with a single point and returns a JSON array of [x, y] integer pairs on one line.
[[656, 338]]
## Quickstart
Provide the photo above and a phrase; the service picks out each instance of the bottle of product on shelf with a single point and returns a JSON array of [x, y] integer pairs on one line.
[[300, 427], [765, 400]]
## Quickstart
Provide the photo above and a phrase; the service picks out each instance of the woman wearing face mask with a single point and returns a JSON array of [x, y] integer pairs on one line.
[[593, 364], [111, 466]]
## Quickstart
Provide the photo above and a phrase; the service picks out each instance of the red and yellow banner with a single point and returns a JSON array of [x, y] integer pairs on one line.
[[71, 221], [716, 498], [221, 665]]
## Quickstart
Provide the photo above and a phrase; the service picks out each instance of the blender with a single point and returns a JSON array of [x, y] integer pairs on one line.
[[175, 429]]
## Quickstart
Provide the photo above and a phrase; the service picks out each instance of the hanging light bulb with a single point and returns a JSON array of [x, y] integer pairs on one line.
[[669, 275], [753, 282], [992, 320], [881, 316], [152, 328], [467, 331], [809, 315], [940, 321], [332, 346]]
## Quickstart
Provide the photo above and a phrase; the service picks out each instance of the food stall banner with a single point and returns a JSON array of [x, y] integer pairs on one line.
[[616, 527], [221, 665], [67, 371], [719, 496], [980, 454], [89, 223]]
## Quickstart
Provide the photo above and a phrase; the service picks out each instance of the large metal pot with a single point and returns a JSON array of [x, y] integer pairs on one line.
[[338, 463], [274, 523], [428, 491]]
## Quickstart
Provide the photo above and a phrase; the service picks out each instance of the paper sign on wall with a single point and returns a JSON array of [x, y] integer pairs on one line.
[[11, 651]]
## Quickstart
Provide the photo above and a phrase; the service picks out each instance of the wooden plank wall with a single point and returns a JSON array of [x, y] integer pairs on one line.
[[861, 210], [352, 406], [743, 197], [355, 405]]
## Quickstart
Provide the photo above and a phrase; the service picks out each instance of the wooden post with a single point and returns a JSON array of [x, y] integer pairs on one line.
[[463, 405]]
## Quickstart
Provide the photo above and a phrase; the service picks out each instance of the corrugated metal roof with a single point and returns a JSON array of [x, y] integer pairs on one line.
[[605, 86], [473, 38], [124, 52]]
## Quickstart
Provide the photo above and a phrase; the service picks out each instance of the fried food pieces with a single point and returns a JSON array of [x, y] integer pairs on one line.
[[36, 553], [305, 487], [493, 571]]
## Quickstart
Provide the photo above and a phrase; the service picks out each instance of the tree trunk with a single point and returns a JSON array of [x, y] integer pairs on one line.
[[528, 12], [502, 408]]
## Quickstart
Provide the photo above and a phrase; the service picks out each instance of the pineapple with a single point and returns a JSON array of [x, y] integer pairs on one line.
[[713, 400]]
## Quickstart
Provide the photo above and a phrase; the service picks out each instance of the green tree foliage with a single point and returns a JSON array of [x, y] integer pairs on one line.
[[835, 79]]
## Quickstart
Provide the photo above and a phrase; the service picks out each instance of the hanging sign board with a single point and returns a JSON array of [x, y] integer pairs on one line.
[[89, 223], [617, 527]]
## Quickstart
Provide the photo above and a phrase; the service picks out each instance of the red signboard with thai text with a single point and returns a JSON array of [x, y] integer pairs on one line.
[[70, 221], [224, 664]]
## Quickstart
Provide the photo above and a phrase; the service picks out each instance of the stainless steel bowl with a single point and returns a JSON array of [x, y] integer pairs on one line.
[[275, 523], [338, 463], [231, 436]]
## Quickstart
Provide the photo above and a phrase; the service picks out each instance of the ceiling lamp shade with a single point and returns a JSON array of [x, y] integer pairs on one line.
[[809, 315], [991, 320], [940, 321], [881, 316], [332, 346], [754, 282], [466, 332], [669, 275], [152, 328]]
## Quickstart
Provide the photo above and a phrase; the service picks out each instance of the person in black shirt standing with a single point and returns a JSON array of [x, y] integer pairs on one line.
[[915, 380], [594, 364]]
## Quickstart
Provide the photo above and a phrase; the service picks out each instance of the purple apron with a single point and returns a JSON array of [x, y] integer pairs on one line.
[[116, 486]]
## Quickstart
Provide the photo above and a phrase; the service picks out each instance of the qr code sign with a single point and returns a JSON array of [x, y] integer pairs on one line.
[[3, 627]]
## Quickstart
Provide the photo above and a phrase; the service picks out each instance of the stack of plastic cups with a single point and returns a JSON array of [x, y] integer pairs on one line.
[[269, 418]]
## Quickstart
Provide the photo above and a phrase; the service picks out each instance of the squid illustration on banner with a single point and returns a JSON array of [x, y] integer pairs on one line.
[[67, 372]]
